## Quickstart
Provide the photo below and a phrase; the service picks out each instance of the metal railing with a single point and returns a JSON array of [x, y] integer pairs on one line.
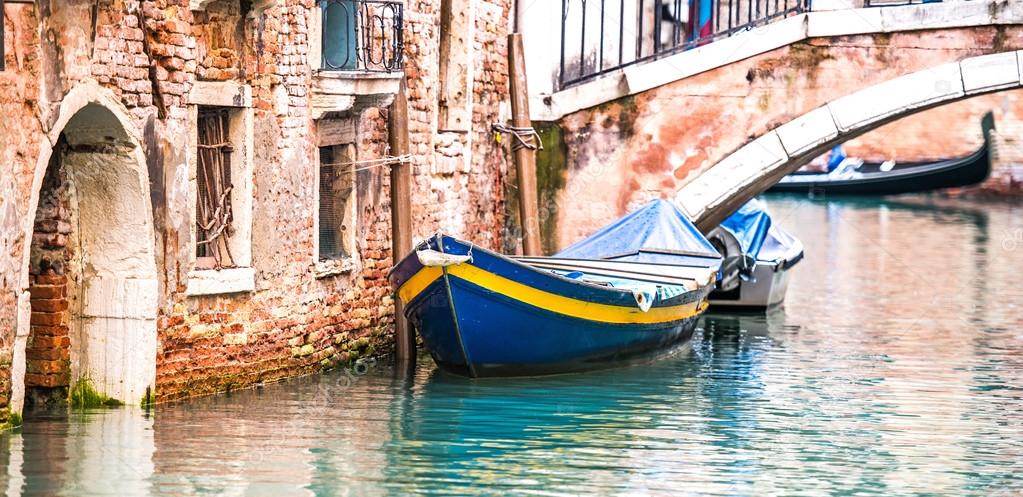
[[362, 35], [600, 36], [891, 3]]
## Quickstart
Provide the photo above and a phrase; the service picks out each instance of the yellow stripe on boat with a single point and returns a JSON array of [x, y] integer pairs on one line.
[[549, 301], [418, 282]]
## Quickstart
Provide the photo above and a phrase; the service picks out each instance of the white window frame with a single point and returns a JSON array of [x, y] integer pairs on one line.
[[330, 133], [242, 277]]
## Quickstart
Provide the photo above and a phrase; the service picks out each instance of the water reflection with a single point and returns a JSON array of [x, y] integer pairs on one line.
[[91, 453], [895, 368]]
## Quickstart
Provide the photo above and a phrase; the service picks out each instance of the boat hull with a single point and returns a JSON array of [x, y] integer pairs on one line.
[[915, 178], [765, 288], [503, 337], [496, 317]]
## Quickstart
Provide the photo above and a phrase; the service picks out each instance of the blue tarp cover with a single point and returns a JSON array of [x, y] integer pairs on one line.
[[749, 225], [780, 245], [658, 225]]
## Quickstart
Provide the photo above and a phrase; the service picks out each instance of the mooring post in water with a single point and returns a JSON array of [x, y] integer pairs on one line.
[[525, 157], [401, 214]]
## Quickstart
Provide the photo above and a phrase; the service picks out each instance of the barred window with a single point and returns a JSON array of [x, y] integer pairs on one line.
[[213, 213], [337, 202]]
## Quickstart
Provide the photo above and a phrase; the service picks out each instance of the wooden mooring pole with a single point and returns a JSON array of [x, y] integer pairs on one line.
[[525, 158], [401, 215]]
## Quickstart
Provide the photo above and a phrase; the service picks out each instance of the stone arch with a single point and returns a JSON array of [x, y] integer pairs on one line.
[[754, 167], [89, 302]]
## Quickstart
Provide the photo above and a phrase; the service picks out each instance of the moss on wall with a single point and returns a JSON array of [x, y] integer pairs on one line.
[[9, 419], [83, 396], [551, 163]]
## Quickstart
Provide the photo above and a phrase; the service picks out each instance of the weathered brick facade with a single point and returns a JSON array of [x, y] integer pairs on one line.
[[138, 65]]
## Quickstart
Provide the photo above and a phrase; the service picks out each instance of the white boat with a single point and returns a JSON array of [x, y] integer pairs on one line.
[[769, 253]]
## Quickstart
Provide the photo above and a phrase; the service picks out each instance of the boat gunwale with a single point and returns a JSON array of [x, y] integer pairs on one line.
[[688, 296], [697, 298], [612, 258], [538, 271], [608, 272]]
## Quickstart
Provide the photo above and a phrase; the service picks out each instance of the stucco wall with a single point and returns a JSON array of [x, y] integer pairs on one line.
[[625, 152]]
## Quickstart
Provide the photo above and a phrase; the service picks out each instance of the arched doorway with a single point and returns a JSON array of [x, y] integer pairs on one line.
[[91, 266]]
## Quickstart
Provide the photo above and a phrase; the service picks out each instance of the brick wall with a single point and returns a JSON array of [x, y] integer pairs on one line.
[[48, 352], [148, 54]]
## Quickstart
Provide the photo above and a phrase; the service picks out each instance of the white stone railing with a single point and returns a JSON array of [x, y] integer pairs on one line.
[[828, 18]]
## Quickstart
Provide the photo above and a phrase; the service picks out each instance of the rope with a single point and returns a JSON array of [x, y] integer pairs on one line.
[[374, 163], [215, 145], [524, 137]]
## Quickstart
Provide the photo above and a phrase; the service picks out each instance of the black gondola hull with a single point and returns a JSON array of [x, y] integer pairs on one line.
[[906, 178]]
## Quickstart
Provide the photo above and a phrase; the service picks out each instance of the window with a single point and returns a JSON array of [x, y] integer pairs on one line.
[[214, 213], [220, 187], [337, 202], [339, 34], [357, 35]]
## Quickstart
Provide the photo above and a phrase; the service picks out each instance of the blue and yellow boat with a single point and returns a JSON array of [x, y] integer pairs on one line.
[[485, 314]]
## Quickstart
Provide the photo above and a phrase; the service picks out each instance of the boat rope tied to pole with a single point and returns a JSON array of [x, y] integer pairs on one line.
[[526, 137], [366, 164]]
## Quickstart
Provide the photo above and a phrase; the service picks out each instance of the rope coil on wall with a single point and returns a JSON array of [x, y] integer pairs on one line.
[[525, 137]]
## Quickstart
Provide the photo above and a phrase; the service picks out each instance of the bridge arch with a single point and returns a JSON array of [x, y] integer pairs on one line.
[[760, 163]]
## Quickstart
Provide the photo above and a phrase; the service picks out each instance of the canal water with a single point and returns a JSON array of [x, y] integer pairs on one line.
[[895, 368]]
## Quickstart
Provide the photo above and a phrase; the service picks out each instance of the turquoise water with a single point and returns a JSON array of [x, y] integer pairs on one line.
[[896, 368]]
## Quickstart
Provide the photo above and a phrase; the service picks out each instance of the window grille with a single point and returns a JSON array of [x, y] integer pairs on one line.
[[362, 35], [336, 216], [213, 213]]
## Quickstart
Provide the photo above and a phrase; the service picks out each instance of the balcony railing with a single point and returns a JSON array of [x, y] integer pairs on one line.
[[362, 35], [600, 36], [889, 3]]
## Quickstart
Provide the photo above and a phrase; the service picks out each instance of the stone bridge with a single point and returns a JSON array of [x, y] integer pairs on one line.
[[749, 171], [718, 124]]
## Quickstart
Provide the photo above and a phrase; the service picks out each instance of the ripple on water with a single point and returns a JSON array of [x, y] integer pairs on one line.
[[895, 368]]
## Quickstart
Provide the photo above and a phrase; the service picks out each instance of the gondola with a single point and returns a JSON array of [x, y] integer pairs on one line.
[[860, 178], [483, 314], [771, 253]]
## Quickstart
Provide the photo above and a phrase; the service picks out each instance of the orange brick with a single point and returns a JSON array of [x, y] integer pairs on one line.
[[47, 319], [42, 366], [47, 380], [49, 305], [47, 292], [49, 342], [51, 279], [48, 354], [53, 331]]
